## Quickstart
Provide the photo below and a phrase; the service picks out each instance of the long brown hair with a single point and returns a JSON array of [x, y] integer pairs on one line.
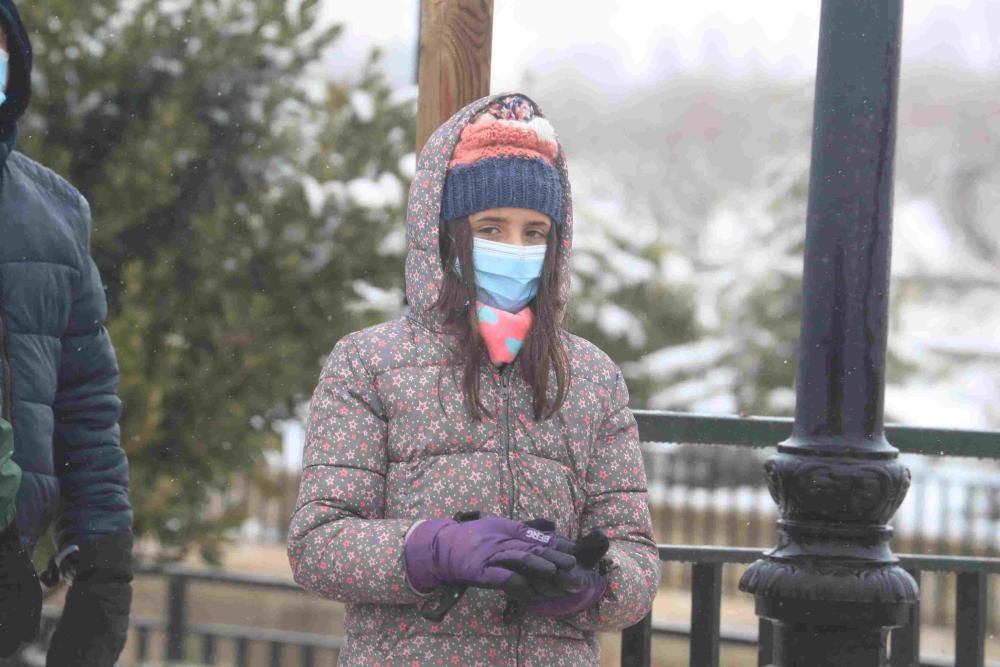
[[543, 356]]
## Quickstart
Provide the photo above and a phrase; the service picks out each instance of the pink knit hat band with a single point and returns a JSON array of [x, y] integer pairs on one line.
[[482, 140]]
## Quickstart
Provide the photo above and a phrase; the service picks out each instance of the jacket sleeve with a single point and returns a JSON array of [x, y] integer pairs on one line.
[[340, 545], [617, 503], [89, 460]]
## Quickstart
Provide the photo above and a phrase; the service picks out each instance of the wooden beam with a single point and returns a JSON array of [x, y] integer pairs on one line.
[[456, 40]]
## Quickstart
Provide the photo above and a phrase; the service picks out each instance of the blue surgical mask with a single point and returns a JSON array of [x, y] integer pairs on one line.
[[4, 66], [507, 275]]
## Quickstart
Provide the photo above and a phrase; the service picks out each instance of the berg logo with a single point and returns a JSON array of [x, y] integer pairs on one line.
[[538, 536]]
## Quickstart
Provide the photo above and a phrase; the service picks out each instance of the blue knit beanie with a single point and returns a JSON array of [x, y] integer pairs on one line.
[[505, 157]]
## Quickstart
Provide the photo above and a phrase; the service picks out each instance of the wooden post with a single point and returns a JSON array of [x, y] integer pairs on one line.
[[456, 39]]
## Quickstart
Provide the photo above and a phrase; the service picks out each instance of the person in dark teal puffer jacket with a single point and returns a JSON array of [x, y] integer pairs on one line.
[[58, 381]]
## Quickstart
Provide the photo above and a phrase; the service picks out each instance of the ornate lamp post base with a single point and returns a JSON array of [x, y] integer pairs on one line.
[[832, 587]]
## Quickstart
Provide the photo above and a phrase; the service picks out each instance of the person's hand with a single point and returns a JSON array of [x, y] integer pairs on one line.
[[583, 585], [589, 586], [20, 594], [492, 552], [94, 622]]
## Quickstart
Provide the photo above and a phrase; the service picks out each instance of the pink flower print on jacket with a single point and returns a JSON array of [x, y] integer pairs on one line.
[[389, 441]]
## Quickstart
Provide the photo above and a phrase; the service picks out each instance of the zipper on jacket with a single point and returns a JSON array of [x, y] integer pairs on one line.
[[505, 392], [505, 387]]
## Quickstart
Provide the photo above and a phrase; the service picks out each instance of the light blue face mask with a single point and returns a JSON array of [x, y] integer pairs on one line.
[[507, 275], [4, 63]]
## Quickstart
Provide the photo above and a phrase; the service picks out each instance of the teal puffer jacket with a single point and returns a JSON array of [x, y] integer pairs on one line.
[[59, 375], [58, 372]]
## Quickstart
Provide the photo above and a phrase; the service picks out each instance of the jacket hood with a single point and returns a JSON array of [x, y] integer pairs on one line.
[[19, 81], [424, 272]]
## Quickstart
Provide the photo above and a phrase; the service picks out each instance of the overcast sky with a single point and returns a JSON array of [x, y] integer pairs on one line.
[[627, 42]]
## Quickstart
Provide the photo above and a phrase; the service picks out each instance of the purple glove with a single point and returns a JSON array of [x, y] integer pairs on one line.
[[590, 586], [493, 552], [583, 586]]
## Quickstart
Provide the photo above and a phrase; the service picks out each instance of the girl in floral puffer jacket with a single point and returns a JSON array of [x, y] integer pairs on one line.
[[467, 465]]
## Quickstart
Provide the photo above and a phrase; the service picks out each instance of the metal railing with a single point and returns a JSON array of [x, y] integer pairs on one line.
[[693, 429], [972, 585], [715, 495], [182, 639], [177, 630], [706, 634]]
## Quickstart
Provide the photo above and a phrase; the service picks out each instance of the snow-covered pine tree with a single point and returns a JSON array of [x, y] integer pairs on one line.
[[243, 207]]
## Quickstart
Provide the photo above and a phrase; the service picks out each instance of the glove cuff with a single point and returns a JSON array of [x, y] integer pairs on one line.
[[107, 559], [419, 554]]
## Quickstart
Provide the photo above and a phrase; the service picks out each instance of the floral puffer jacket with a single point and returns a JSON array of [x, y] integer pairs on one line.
[[389, 441]]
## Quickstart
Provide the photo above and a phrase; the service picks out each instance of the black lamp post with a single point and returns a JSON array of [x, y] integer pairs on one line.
[[832, 587]]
